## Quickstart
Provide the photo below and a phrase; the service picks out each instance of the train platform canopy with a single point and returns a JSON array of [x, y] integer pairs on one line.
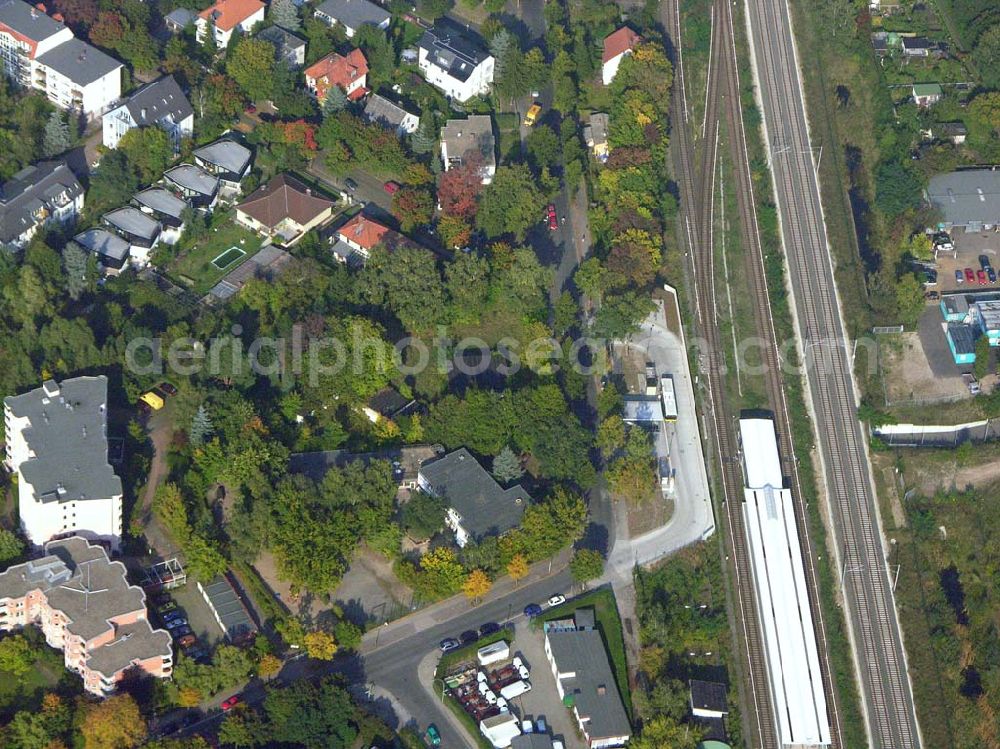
[[762, 466], [643, 409], [779, 580]]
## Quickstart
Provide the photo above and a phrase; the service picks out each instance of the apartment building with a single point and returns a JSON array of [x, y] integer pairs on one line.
[[455, 61], [160, 103], [57, 444], [37, 196], [83, 604]]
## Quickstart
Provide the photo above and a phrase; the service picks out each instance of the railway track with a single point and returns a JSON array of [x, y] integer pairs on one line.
[[723, 87], [879, 654]]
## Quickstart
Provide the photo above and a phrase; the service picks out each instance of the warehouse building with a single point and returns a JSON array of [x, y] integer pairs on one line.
[[968, 200], [783, 605]]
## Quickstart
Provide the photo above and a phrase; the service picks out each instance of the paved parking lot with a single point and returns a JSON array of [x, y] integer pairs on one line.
[[968, 248], [198, 614]]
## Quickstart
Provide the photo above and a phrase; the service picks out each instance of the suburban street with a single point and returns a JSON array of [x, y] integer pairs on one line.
[[880, 659]]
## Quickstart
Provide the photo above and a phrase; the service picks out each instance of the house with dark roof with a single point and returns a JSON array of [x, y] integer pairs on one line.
[[164, 207], [160, 103], [111, 250], [194, 184], [139, 229], [405, 461], [35, 197], [226, 17], [288, 47], [585, 680], [84, 605], [178, 19], [381, 111], [471, 137], [226, 160], [57, 445], [284, 209], [477, 505], [455, 60], [352, 15], [616, 46], [916, 46]]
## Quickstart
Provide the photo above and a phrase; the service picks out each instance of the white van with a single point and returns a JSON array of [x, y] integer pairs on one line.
[[515, 689]]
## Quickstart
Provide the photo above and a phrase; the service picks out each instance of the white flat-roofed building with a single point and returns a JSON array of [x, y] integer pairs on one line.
[[783, 603]]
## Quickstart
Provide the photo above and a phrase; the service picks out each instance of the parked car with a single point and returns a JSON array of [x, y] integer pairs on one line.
[[557, 600], [502, 705], [231, 703], [169, 616], [523, 672], [970, 276], [449, 643], [250, 109], [959, 278], [991, 274], [532, 609], [391, 187], [468, 637], [186, 641], [531, 116], [984, 261], [527, 726], [167, 388], [981, 277], [552, 218], [490, 628], [540, 725], [143, 408], [350, 184], [181, 632], [942, 240], [175, 623], [168, 606], [433, 736], [491, 696], [929, 277]]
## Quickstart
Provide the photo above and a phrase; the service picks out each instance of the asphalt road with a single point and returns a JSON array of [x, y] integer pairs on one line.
[[880, 659]]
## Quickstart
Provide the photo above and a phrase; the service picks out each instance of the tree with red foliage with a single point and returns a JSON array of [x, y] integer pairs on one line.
[[300, 133], [460, 186], [412, 207], [76, 13], [109, 30]]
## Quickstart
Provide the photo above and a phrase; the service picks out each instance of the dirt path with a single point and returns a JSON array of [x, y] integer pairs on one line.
[[159, 435], [960, 478]]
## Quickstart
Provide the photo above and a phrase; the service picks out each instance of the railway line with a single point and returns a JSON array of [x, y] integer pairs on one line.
[[879, 655], [723, 87]]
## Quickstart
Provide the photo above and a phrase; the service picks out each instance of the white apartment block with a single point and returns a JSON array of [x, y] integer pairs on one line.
[[160, 103], [454, 61], [57, 444], [41, 53]]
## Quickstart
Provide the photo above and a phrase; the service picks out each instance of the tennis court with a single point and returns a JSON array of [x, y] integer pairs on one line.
[[228, 257]]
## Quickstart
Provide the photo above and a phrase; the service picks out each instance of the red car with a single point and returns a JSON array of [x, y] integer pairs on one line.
[[391, 187], [981, 277], [970, 276], [553, 220], [250, 109], [231, 703]]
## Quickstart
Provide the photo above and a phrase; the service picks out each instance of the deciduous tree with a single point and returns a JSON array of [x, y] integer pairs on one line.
[[511, 203], [412, 207], [518, 567], [251, 65], [11, 547], [586, 564], [320, 645], [16, 656], [149, 151], [476, 585], [114, 723]]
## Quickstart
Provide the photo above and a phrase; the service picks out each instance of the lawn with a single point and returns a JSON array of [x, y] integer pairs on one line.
[[602, 601], [194, 267]]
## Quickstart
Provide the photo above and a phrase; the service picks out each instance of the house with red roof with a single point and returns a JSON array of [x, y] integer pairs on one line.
[[226, 16], [355, 240], [616, 46], [350, 72]]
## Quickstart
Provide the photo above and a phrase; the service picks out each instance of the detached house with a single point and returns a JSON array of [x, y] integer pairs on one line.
[[219, 21], [226, 160], [160, 103], [917, 46], [111, 250], [352, 15], [462, 138], [595, 135], [616, 46], [383, 112], [84, 605], [284, 209], [927, 94], [164, 207], [477, 505], [455, 61], [140, 230], [349, 72], [57, 444], [37, 196], [288, 48], [41, 53], [355, 240], [197, 186]]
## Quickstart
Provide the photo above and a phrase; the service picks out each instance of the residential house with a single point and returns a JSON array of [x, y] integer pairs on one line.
[[225, 17], [139, 229], [57, 445], [40, 52], [927, 94], [956, 132], [709, 708], [916, 46], [470, 138], [383, 112], [616, 46], [455, 61], [178, 19], [596, 136], [968, 199], [356, 239], [289, 48], [226, 160], [164, 207], [386, 405], [160, 103], [284, 209], [352, 15], [477, 505], [37, 196], [195, 185], [84, 605], [585, 681], [111, 250], [880, 43], [350, 72]]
